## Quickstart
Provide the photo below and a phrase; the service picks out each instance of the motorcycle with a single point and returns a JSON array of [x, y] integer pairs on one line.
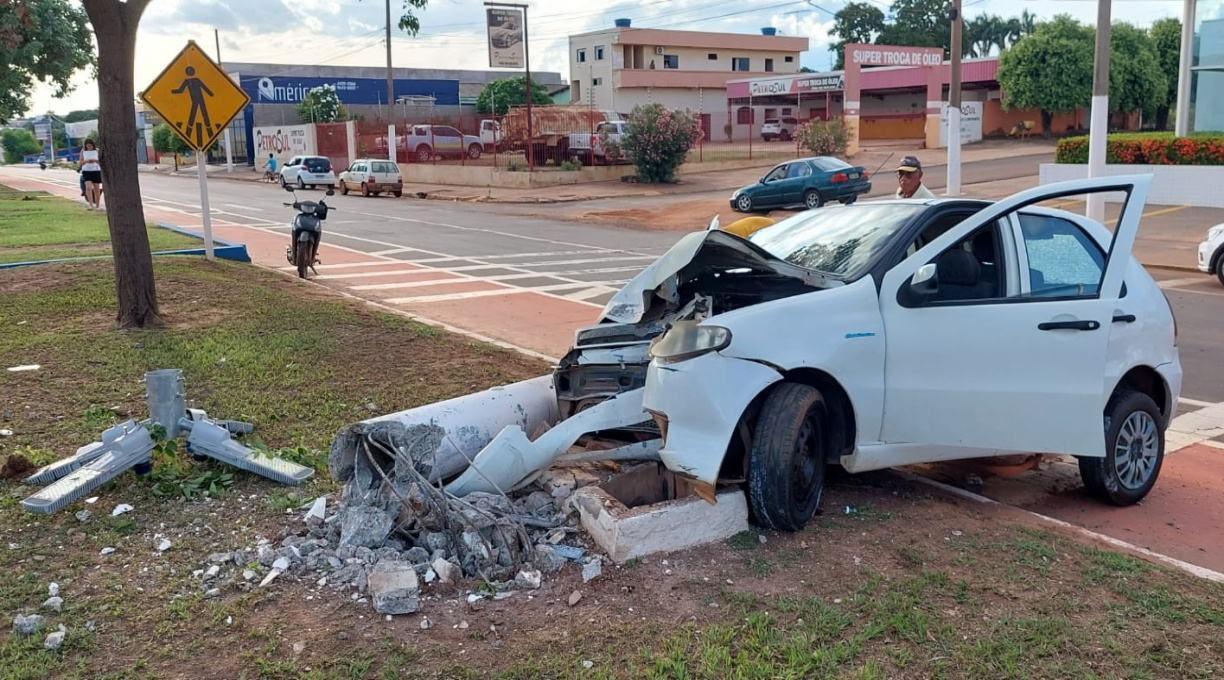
[[303, 249], [42, 165]]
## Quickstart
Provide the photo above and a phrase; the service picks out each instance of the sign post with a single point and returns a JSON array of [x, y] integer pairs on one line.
[[507, 25], [198, 101]]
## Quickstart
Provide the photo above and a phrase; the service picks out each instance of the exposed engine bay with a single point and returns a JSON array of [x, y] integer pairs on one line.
[[704, 275]]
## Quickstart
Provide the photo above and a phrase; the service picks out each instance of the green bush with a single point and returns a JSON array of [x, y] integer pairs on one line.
[[1144, 148], [657, 140], [823, 137]]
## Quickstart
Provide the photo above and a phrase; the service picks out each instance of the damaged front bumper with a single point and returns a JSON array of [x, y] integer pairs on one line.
[[698, 404]]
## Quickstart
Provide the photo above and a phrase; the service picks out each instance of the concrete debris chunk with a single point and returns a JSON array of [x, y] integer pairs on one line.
[[446, 571], [365, 526], [83, 516], [318, 509], [27, 625], [528, 579], [53, 589], [394, 588], [574, 598], [56, 603], [164, 545], [54, 640], [107, 551], [426, 623], [592, 570], [120, 509]]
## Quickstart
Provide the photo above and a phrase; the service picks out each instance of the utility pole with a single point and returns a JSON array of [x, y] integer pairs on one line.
[[390, 93], [229, 147], [1099, 127], [1182, 122], [954, 104]]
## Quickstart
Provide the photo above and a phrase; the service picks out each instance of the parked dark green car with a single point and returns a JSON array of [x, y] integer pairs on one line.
[[809, 182]]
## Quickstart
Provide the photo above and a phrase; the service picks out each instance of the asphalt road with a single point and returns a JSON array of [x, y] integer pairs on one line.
[[584, 262]]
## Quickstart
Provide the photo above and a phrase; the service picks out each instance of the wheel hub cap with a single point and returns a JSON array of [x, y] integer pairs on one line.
[[1136, 449]]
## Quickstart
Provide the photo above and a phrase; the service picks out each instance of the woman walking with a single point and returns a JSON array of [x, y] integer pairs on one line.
[[91, 172]]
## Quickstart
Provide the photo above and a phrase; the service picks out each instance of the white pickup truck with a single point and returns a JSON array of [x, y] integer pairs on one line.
[[589, 147]]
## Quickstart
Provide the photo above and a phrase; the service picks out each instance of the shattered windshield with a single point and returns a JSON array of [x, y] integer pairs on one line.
[[839, 241]]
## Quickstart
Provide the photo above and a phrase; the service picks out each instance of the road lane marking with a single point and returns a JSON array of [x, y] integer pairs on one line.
[[425, 299], [1154, 213], [1177, 283], [243, 207]]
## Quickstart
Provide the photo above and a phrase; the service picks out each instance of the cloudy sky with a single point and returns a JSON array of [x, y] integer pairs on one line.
[[350, 32]]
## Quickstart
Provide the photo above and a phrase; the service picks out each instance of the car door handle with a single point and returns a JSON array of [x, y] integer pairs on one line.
[[1069, 325], [1124, 318]]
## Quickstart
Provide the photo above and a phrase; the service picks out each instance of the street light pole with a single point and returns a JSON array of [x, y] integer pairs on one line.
[[1184, 74], [229, 153], [1099, 127], [954, 104], [390, 93]]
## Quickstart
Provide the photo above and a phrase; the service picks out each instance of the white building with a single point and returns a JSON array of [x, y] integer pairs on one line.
[[619, 68]]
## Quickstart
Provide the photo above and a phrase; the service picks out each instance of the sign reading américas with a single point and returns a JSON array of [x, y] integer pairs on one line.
[[896, 56]]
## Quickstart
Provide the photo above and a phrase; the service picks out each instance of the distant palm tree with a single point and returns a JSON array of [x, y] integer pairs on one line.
[[1028, 23]]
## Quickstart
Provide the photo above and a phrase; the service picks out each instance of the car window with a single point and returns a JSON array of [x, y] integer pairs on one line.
[[798, 170], [841, 241], [972, 269], [446, 132], [830, 164], [776, 174], [317, 164], [1062, 259], [771, 121]]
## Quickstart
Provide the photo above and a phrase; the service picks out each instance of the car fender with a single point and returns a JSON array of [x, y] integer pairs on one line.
[[838, 331]]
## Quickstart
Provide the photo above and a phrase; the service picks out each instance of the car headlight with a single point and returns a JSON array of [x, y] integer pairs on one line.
[[1215, 231], [688, 339], [736, 194]]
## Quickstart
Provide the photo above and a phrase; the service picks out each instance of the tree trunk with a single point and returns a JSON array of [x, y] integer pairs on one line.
[[1047, 123], [114, 25], [1162, 118]]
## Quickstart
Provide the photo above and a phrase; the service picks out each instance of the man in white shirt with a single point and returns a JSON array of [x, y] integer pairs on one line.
[[909, 179]]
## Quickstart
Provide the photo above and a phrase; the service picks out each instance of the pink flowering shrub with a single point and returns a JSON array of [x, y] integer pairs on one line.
[[657, 140], [823, 138]]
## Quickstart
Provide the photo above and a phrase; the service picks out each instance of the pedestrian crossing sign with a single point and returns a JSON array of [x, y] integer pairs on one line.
[[195, 97]]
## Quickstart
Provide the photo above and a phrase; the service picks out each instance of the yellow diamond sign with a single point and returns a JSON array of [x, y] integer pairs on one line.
[[195, 97]]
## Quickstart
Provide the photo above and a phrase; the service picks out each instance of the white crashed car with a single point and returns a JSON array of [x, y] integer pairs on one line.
[[890, 333], [1211, 253]]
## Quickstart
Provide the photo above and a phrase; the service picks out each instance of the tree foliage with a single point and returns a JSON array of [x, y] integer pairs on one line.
[[1136, 82], [40, 41], [857, 22], [918, 23], [1166, 42], [18, 144], [81, 115], [166, 141], [925, 23], [498, 96], [321, 105], [1050, 70], [408, 21], [657, 140]]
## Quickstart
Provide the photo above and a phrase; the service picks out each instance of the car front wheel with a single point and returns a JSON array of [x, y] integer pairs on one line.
[[1220, 267], [1134, 451], [787, 463], [343, 188], [812, 199], [744, 203]]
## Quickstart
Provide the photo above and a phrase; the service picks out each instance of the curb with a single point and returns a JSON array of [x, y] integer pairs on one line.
[[221, 248]]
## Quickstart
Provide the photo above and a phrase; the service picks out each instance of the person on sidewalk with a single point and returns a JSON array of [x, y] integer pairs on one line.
[[91, 172], [909, 179]]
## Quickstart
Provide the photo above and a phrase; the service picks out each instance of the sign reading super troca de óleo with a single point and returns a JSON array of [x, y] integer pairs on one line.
[[506, 49]]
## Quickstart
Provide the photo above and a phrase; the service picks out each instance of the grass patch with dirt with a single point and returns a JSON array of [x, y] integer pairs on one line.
[[39, 226]]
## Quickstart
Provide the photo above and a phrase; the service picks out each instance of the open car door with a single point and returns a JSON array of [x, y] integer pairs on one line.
[[1007, 367]]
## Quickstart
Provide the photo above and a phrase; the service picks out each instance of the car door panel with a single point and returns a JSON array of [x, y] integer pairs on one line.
[[1024, 373], [770, 192]]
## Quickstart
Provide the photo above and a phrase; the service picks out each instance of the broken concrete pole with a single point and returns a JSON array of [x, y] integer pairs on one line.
[[364, 526], [394, 588], [441, 438], [652, 527]]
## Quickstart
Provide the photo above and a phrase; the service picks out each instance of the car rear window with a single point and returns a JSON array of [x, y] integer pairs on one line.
[[771, 121], [385, 167], [829, 164], [317, 164]]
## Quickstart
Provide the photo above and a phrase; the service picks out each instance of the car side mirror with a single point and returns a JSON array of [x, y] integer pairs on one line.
[[925, 281]]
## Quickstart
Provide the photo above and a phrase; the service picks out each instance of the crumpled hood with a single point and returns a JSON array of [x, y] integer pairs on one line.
[[695, 254]]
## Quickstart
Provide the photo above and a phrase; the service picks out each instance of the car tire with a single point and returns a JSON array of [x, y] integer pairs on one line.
[[424, 154], [343, 188], [848, 201], [788, 458], [300, 184], [474, 152], [1219, 267], [1134, 438], [398, 193], [331, 187], [282, 182], [812, 199], [365, 190], [767, 138], [786, 136], [744, 203]]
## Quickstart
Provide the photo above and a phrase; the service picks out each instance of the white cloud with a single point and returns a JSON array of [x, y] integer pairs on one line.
[[350, 32]]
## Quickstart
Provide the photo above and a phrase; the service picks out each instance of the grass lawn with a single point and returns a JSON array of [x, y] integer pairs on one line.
[[40, 226], [890, 582]]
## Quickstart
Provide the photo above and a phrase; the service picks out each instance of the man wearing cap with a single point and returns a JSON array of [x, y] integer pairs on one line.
[[909, 179]]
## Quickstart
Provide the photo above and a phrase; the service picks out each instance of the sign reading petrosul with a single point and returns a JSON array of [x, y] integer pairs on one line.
[[195, 97], [897, 56], [793, 85]]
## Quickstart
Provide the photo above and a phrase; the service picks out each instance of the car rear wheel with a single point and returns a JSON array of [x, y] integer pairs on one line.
[[1134, 451], [300, 184], [474, 152], [787, 462], [1219, 258], [786, 136], [398, 193], [424, 154], [812, 199], [343, 188], [744, 203]]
